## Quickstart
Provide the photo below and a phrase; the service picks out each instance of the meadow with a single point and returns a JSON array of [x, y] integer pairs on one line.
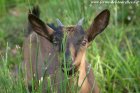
[[114, 55]]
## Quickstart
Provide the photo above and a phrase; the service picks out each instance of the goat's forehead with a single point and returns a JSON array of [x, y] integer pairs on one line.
[[69, 28], [73, 33], [73, 29]]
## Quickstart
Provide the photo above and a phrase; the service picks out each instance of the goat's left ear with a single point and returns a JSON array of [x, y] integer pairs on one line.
[[98, 25]]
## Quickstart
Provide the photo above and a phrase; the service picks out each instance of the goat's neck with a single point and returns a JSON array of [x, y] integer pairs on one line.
[[82, 70], [82, 63]]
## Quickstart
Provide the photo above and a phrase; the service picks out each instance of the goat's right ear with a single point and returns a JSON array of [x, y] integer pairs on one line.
[[40, 27]]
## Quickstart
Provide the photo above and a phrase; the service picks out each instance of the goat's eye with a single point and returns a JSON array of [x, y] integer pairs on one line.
[[55, 43], [84, 42]]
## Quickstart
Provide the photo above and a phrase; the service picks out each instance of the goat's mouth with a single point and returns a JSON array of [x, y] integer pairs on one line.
[[68, 68]]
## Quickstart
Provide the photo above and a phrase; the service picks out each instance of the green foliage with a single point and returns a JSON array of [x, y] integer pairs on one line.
[[114, 54]]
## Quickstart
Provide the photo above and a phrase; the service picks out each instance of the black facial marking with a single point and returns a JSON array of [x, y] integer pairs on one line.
[[75, 37]]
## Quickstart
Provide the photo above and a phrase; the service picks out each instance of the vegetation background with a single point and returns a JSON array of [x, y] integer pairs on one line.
[[114, 55]]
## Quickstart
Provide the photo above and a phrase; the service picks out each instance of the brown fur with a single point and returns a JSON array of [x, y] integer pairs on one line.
[[47, 61]]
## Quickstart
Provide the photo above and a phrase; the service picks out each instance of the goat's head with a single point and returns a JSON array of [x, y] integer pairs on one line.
[[71, 41]]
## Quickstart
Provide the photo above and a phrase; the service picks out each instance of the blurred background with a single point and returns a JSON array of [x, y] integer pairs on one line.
[[114, 55]]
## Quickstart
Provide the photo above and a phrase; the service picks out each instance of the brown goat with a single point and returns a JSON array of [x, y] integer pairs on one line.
[[43, 52]]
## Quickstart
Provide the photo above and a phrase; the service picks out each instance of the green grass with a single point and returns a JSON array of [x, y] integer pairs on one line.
[[114, 55]]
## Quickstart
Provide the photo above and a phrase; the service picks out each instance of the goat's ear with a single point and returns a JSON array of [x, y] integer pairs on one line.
[[98, 25], [40, 27]]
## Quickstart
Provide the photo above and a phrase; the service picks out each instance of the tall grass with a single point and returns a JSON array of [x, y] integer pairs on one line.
[[9, 83], [114, 55], [3, 8]]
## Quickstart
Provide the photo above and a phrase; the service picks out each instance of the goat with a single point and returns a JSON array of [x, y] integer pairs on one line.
[[43, 51]]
